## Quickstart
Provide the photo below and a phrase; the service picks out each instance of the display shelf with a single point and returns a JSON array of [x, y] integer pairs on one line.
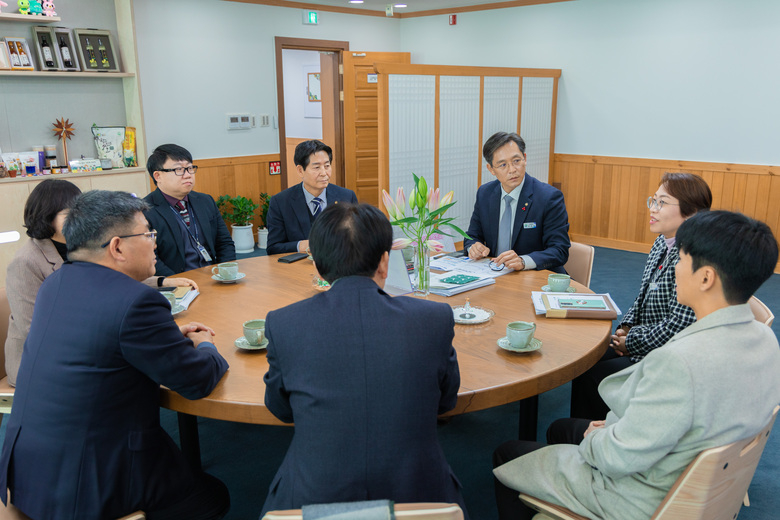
[[61, 74], [16, 17], [66, 176]]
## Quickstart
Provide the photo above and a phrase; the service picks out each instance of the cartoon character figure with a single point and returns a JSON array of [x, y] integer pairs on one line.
[[2, 4], [48, 8], [35, 7], [24, 6]]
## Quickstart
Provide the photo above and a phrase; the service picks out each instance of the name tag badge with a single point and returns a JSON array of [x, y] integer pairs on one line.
[[205, 254], [529, 225]]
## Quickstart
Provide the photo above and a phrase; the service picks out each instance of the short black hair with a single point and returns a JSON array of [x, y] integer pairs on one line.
[[164, 152], [46, 200], [349, 240], [99, 215], [742, 250], [498, 140], [306, 149]]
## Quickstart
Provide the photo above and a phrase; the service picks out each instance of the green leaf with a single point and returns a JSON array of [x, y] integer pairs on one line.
[[456, 228], [407, 220]]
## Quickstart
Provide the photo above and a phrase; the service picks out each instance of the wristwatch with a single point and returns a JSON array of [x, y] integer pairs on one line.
[[160, 280], [522, 260]]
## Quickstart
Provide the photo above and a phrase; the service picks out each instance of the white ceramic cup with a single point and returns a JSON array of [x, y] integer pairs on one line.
[[254, 331], [520, 333], [558, 282], [226, 270]]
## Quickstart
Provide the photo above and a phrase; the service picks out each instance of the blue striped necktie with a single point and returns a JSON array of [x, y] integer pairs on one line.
[[317, 202]]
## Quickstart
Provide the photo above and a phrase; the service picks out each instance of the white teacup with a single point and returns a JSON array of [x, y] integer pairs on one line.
[[558, 282], [254, 331], [520, 333], [226, 270]]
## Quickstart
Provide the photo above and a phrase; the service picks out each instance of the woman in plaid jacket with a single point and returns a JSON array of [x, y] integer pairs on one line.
[[656, 315]]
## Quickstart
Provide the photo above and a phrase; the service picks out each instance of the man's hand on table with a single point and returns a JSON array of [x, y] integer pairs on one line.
[[478, 251], [510, 259], [197, 332]]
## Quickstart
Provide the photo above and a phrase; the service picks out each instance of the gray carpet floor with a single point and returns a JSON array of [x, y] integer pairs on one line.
[[246, 457]]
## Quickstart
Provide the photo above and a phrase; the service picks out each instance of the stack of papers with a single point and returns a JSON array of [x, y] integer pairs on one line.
[[442, 288], [478, 273], [575, 305], [184, 296]]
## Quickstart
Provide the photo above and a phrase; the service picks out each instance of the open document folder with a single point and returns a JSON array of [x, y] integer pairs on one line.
[[575, 305]]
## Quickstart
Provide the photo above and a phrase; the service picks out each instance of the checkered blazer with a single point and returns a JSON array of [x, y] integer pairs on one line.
[[655, 315]]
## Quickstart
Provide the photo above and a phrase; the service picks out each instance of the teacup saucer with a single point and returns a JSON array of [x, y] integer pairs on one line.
[[535, 344], [176, 309], [243, 344], [222, 280], [546, 288]]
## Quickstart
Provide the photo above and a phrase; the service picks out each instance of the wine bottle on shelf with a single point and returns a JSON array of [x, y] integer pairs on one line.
[[48, 59], [14, 55], [103, 54], [65, 52], [91, 55], [23, 58]]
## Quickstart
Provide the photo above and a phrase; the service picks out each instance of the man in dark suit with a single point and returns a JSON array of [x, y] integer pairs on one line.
[[517, 219], [291, 212], [191, 232], [363, 380], [84, 439]]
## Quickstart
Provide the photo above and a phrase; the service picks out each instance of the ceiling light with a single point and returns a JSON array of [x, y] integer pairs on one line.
[[399, 5], [355, 1]]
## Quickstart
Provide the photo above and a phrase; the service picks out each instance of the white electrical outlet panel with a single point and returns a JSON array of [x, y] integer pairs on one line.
[[265, 120], [241, 121]]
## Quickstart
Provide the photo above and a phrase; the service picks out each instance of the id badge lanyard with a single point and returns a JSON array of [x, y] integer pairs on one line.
[[202, 250]]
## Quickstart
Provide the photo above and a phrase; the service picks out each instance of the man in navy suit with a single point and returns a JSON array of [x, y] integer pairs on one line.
[[292, 211], [84, 439], [363, 376], [519, 220], [191, 231]]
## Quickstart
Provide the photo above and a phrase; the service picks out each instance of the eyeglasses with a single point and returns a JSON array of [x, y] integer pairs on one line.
[[496, 267], [653, 203], [191, 169], [504, 166], [151, 235]]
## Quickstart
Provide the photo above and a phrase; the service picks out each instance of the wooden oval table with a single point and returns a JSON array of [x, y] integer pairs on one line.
[[490, 376]]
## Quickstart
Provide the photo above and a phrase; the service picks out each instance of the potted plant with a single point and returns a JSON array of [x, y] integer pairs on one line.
[[239, 211], [262, 231]]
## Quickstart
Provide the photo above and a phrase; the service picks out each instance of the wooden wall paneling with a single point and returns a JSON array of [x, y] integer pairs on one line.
[[383, 136]]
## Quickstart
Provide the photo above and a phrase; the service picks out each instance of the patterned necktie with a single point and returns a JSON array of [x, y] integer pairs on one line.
[[505, 228], [185, 215], [317, 203]]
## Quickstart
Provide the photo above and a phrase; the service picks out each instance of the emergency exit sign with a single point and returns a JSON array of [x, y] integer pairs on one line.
[[310, 17]]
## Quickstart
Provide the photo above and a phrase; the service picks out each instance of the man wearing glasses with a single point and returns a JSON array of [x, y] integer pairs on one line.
[[191, 232], [519, 221], [84, 438], [292, 212]]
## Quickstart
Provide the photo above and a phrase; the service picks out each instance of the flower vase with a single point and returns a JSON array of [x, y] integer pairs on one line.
[[421, 277]]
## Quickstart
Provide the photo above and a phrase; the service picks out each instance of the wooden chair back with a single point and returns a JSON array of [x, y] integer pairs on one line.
[[761, 311], [412, 511], [580, 263], [711, 488]]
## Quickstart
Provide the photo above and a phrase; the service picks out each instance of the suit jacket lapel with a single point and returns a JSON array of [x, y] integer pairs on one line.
[[300, 209], [162, 208], [523, 207], [494, 215]]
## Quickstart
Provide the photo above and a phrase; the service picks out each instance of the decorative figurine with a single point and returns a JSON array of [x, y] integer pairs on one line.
[[24, 6], [63, 129], [2, 4], [35, 7], [48, 8]]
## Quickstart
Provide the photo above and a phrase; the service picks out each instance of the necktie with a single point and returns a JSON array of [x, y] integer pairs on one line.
[[185, 215], [317, 203], [505, 228]]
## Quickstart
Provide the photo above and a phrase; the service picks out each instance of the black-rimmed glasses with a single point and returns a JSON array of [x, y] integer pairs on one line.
[[191, 169], [151, 235], [496, 267]]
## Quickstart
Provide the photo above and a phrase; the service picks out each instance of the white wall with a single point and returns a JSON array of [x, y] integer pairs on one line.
[[297, 120], [670, 79], [202, 59]]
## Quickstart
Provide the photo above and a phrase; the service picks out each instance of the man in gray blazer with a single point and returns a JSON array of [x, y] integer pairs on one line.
[[682, 398]]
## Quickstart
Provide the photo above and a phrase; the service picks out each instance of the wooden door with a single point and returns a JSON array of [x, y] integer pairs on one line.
[[361, 131]]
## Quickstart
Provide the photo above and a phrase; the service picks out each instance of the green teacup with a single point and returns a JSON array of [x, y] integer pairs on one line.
[[558, 282], [254, 331], [520, 333], [226, 270]]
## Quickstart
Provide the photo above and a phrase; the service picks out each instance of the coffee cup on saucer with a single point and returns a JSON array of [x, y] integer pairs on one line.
[[558, 282], [520, 334], [254, 331], [226, 270]]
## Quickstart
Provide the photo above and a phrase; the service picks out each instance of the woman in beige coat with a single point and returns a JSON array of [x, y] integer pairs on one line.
[[44, 253]]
